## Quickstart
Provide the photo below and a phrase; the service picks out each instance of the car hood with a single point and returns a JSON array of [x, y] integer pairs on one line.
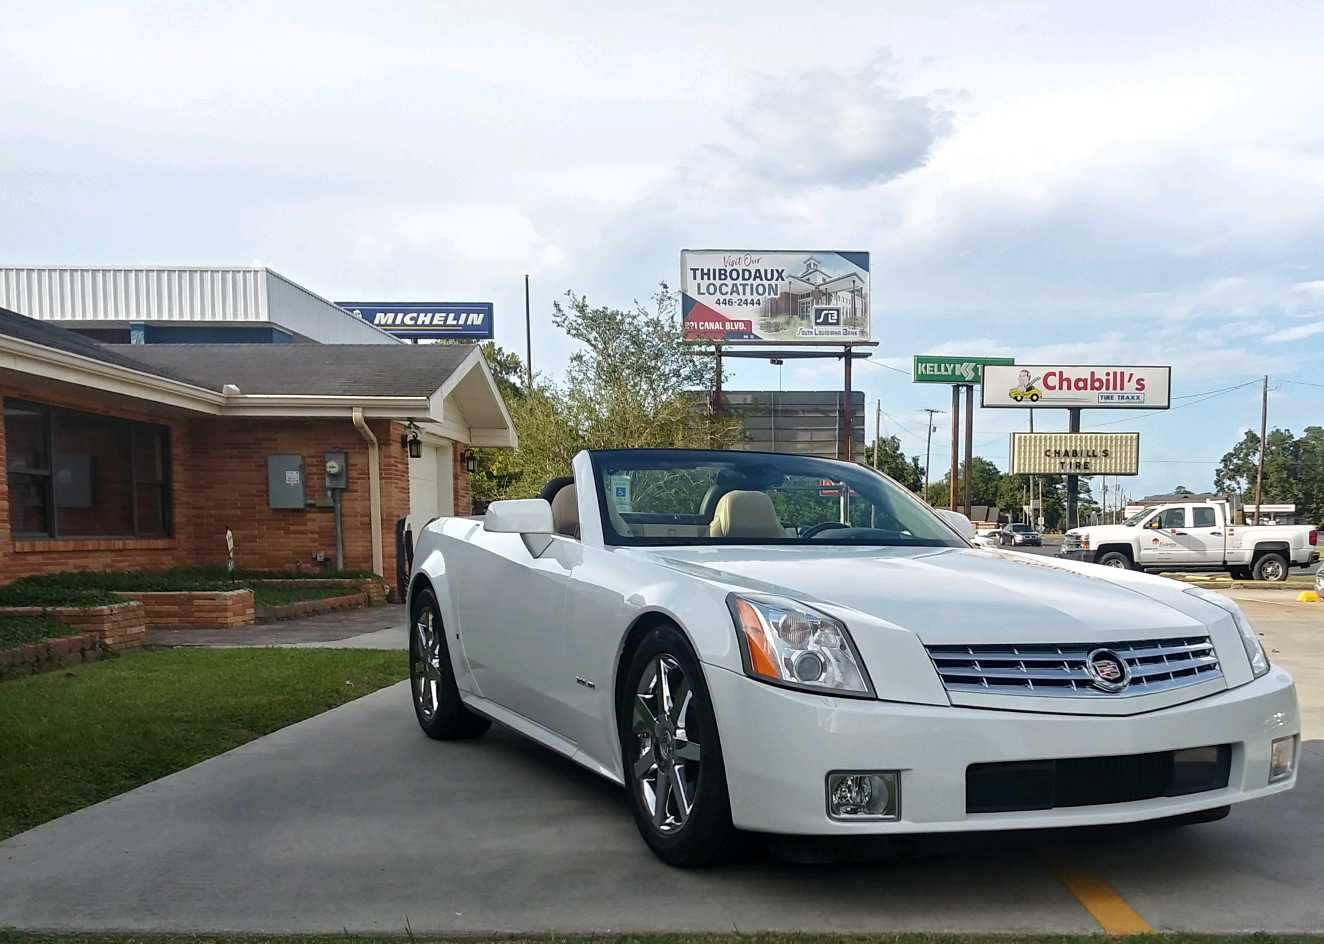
[[957, 595]]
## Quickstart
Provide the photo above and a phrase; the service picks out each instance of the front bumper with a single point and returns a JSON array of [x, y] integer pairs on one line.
[[1076, 554], [779, 745]]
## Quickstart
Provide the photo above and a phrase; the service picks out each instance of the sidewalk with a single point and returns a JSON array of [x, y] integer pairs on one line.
[[374, 627]]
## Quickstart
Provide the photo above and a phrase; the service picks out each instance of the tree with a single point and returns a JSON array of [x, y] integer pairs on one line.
[[892, 461], [1293, 470], [507, 369], [984, 488]]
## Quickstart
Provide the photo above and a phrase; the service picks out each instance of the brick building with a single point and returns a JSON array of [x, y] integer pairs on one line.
[[143, 456]]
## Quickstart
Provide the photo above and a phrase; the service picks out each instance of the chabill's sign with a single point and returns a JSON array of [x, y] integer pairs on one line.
[[1070, 385]]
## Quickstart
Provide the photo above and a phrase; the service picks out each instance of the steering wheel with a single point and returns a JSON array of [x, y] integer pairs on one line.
[[823, 526]]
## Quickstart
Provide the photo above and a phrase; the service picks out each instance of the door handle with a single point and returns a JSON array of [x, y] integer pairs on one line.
[[1182, 533], [1215, 534]]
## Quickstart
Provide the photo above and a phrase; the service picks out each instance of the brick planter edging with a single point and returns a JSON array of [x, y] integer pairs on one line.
[[115, 626], [210, 608], [350, 601], [49, 654]]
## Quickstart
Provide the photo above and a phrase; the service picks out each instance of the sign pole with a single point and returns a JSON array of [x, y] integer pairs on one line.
[[969, 448], [954, 473], [1073, 481]]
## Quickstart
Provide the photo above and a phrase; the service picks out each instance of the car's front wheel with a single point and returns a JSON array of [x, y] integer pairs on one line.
[[1115, 559], [1271, 566], [672, 755], [437, 703]]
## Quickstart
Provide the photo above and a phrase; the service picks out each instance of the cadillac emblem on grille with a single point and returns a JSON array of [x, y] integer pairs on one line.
[[1107, 670]]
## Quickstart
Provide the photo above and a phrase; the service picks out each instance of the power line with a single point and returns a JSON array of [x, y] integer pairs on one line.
[[1300, 383], [868, 363]]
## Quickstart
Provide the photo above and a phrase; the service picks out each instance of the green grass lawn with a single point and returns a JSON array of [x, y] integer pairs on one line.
[[71, 738], [21, 630]]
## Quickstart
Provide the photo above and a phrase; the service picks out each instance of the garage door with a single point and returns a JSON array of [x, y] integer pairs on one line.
[[430, 485]]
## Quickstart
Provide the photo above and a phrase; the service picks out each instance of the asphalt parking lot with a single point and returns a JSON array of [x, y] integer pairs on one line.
[[354, 820]]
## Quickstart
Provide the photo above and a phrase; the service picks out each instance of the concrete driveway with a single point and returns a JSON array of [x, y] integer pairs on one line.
[[354, 820]]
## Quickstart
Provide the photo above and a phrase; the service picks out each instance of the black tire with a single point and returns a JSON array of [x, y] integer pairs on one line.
[[704, 834], [1197, 819], [1115, 559], [446, 719], [1270, 566], [1239, 573]]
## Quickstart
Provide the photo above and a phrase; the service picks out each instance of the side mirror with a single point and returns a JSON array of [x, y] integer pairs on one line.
[[519, 516], [958, 523]]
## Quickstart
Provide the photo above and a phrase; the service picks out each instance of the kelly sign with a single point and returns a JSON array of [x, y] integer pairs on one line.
[[469, 320], [934, 368], [1069, 385], [1075, 453], [755, 297]]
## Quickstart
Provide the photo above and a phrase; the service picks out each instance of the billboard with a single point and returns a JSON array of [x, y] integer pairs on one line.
[[1070, 385], [754, 297], [1075, 453], [935, 368], [419, 320]]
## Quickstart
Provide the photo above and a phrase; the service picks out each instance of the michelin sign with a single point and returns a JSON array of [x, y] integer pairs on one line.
[[733, 296], [419, 320]]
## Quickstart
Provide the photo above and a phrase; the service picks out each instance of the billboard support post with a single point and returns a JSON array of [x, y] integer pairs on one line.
[[846, 418], [1073, 481], [955, 472]]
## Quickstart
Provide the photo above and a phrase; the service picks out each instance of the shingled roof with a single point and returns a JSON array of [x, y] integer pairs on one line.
[[364, 370], [14, 325]]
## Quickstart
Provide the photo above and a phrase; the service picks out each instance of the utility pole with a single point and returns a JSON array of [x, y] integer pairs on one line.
[[528, 334], [969, 485], [1264, 432], [928, 448]]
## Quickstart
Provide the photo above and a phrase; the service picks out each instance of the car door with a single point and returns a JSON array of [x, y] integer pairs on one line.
[[1158, 543], [513, 623], [1203, 540]]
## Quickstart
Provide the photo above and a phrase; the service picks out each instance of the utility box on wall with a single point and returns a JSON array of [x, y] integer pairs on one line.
[[285, 481]]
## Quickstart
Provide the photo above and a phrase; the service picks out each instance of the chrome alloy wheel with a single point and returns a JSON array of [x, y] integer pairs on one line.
[[666, 759], [425, 669], [1118, 562], [1273, 570]]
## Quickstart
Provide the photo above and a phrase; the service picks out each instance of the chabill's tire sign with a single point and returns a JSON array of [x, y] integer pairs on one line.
[[736, 296], [1073, 385]]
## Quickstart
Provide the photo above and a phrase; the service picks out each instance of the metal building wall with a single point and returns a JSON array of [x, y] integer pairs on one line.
[[126, 294]]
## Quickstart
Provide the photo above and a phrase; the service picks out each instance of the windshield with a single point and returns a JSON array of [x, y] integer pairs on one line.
[[687, 497], [1021, 527], [1135, 519]]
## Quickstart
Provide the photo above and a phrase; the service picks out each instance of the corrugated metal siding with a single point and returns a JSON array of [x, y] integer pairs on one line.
[[118, 294]]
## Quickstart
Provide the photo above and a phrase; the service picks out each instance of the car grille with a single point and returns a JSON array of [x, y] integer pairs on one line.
[[1059, 670], [1091, 781]]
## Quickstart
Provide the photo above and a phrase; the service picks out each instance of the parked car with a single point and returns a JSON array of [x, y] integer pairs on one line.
[[782, 644], [1195, 536], [1020, 535]]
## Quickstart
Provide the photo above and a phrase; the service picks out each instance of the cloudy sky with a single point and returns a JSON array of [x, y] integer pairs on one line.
[[1115, 183]]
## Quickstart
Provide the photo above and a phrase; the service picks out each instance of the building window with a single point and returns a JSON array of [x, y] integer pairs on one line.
[[82, 475]]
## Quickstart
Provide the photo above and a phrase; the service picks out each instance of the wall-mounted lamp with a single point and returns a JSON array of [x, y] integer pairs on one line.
[[412, 441], [470, 460]]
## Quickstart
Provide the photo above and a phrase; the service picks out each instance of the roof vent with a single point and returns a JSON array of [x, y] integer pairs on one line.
[[230, 390]]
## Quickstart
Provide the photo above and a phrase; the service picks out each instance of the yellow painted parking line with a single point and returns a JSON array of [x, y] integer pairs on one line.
[[1102, 901]]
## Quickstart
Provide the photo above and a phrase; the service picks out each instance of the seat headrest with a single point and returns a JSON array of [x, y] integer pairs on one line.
[[565, 511], [744, 514]]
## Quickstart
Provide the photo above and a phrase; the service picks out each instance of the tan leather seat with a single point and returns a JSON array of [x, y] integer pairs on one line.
[[565, 511], [742, 514]]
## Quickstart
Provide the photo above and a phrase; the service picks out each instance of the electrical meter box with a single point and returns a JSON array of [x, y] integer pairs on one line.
[[285, 481], [337, 470]]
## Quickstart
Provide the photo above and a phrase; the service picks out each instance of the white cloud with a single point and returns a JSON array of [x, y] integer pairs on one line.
[[1296, 333]]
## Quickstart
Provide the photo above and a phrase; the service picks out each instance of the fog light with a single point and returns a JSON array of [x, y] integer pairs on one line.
[[1282, 758], [864, 794]]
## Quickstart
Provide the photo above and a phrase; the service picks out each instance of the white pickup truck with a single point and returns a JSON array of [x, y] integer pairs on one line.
[[1195, 536]]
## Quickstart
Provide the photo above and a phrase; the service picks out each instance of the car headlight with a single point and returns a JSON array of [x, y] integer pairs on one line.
[[1259, 659], [788, 643]]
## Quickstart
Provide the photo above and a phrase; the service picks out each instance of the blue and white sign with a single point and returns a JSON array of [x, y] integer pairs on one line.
[[470, 320]]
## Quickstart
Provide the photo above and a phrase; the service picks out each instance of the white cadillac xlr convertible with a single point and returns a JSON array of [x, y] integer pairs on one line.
[[749, 641]]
